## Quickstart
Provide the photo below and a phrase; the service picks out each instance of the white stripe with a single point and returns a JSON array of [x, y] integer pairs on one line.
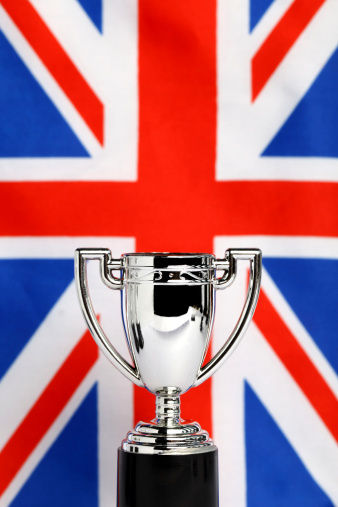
[[228, 423], [292, 169], [233, 83], [62, 247], [306, 247], [49, 438], [78, 36], [228, 399], [268, 22], [115, 420], [119, 76], [41, 358], [56, 95], [293, 413], [300, 333]]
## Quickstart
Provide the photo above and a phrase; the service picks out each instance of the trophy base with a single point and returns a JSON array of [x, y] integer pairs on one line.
[[182, 437], [182, 480]]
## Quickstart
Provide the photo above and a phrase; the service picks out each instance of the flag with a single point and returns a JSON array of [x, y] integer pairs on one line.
[[186, 126]]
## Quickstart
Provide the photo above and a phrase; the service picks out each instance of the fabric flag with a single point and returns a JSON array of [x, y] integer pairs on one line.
[[169, 126]]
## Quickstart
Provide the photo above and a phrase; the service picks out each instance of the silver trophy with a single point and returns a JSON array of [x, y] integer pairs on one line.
[[168, 308]]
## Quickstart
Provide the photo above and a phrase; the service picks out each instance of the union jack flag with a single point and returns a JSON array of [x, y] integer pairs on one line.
[[175, 126]]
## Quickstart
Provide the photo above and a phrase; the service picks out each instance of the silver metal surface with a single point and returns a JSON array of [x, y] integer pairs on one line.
[[168, 305], [233, 255], [104, 256], [167, 433]]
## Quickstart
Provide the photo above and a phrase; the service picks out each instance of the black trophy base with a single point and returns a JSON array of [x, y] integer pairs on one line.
[[187, 480]]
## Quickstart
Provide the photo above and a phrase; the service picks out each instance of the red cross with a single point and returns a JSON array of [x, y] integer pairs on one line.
[[176, 204]]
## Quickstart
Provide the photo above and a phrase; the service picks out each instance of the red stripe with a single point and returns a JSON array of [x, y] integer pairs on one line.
[[54, 57], [177, 143], [153, 208], [280, 40], [297, 363], [46, 409]]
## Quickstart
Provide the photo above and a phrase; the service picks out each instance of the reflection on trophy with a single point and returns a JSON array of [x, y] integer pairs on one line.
[[168, 307]]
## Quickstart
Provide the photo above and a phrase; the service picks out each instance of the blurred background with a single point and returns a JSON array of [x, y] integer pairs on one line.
[[184, 126]]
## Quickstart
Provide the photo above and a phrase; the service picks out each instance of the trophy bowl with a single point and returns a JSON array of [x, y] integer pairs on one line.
[[168, 313], [168, 308]]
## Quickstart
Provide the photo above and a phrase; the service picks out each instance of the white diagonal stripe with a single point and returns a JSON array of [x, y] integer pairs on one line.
[[109, 64], [51, 88], [299, 332], [290, 247], [41, 358], [291, 410], [268, 22], [49, 438], [78, 36], [61, 329], [244, 128], [294, 76]]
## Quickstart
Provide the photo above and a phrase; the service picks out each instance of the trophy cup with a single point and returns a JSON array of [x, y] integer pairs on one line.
[[168, 307]]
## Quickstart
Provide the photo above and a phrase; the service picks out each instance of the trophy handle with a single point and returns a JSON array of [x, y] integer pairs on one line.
[[229, 264], [107, 264]]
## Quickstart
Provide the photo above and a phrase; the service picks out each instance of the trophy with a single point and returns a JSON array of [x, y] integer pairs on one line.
[[168, 308]]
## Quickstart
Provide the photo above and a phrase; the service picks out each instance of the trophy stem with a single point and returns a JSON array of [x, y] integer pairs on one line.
[[168, 410]]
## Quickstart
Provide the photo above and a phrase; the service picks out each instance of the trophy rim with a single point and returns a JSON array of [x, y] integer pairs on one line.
[[168, 254], [167, 260]]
